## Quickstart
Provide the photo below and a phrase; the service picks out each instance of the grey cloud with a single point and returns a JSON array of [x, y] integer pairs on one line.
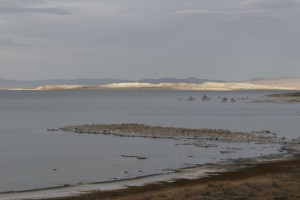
[[21, 2], [8, 42], [195, 13], [27, 10], [272, 4], [149, 38], [243, 15], [246, 8], [220, 15]]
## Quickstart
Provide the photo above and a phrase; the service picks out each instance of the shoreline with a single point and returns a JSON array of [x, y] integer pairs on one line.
[[208, 171], [278, 180], [190, 174]]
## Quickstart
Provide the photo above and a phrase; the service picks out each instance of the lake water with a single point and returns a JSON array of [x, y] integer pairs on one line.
[[32, 158]]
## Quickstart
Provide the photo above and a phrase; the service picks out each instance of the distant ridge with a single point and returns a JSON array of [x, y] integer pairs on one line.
[[292, 83], [8, 84], [176, 80], [212, 86]]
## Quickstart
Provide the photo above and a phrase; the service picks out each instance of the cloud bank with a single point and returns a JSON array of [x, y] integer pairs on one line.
[[24, 10], [135, 39]]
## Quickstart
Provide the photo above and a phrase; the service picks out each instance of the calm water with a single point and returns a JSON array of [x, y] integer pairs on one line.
[[31, 157]]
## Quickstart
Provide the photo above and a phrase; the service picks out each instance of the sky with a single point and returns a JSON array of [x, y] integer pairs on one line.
[[135, 39]]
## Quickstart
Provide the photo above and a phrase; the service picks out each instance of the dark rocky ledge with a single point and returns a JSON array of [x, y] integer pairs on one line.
[[295, 94]]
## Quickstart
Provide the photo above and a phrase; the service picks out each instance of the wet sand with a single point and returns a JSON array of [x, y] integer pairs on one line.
[[279, 180]]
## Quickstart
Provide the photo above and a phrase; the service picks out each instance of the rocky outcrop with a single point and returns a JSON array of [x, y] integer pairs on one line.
[[205, 98], [137, 157], [281, 98], [52, 129], [141, 130], [295, 94], [225, 100], [191, 99]]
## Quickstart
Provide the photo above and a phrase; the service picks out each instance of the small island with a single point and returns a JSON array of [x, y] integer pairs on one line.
[[142, 130]]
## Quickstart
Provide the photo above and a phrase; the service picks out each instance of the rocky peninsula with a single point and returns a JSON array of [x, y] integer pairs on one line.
[[293, 97], [141, 130]]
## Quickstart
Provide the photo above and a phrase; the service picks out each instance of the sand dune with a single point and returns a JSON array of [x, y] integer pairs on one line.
[[172, 86], [279, 82]]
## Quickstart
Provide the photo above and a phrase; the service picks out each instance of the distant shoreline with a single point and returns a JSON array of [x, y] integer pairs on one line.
[[207, 86]]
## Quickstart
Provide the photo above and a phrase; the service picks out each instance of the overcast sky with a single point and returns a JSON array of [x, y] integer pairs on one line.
[[134, 39]]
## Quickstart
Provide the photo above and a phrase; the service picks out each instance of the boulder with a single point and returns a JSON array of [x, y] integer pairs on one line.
[[191, 99], [225, 100], [52, 129], [205, 98]]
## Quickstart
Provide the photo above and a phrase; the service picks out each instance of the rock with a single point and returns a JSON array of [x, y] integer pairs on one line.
[[205, 98], [234, 148], [205, 145], [262, 132], [191, 99], [292, 148], [296, 140], [232, 100], [225, 100], [226, 151], [137, 157], [52, 129]]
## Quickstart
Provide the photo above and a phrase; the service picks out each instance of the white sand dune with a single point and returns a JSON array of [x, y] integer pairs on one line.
[[190, 86], [174, 86], [279, 82]]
